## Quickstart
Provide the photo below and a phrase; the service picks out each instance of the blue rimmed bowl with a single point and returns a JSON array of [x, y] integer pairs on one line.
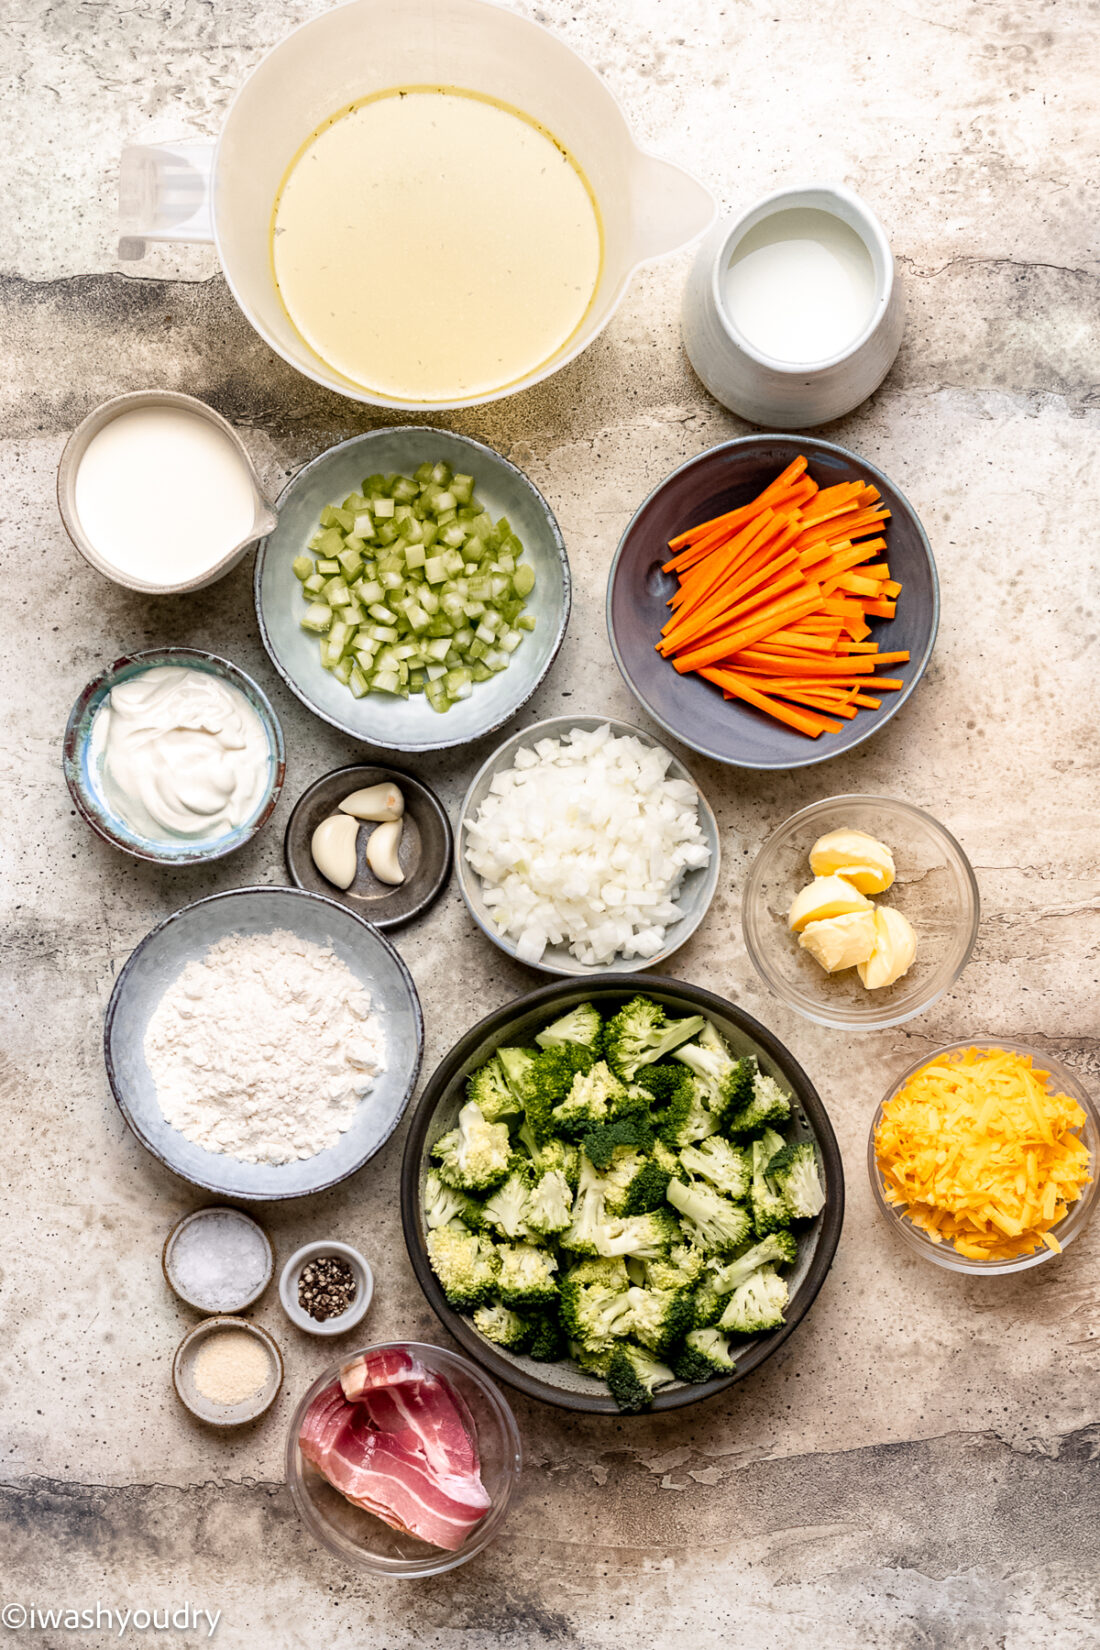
[[85, 783]]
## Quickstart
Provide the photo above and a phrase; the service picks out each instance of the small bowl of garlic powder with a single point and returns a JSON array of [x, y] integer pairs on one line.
[[227, 1371]]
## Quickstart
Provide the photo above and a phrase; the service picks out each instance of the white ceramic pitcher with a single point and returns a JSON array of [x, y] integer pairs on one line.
[[225, 191]]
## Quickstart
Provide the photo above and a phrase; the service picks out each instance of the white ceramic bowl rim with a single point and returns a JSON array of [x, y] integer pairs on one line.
[[870, 231], [555, 727], [802, 1005]]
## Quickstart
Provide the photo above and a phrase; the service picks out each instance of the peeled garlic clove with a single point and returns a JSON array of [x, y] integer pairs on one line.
[[824, 897], [377, 802], [333, 848], [895, 948], [382, 846], [860, 859]]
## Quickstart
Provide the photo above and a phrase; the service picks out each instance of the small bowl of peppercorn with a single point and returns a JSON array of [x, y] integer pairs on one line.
[[326, 1288]]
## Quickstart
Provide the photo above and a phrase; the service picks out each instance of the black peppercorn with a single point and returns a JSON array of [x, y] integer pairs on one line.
[[326, 1287]]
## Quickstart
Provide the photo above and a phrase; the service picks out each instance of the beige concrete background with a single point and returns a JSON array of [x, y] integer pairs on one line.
[[916, 1467]]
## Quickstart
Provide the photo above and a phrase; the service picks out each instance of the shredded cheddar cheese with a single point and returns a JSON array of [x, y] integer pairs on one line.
[[982, 1154]]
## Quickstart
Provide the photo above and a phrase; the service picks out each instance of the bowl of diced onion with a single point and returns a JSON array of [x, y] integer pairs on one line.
[[416, 589], [585, 846], [982, 1156]]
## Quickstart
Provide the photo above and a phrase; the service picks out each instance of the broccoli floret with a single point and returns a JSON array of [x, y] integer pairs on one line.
[[768, 1105], [517, 1065], [594, 1314], [633, 1376], [547, 1338], [548, 1081], [594, 1097], [704, 1354], [488, 1088], [506, 1209], [444, 1203], [666, 1159], [592, 1361], [610, 1270], [550, 1205], [527, 1277], [635, 1185], [503, 1327], [581, 1025], [684, 1118], [794, 1173], [661, 1082], [681, 1269], [659, 1317], [589, 1214], [599, 1145], [757, 1304], [554, 1154], [709, 1301], [777, 1249], [466, 1265], [476, 1156], [769, 1207], [724, 1166], [649, 1237], [641, 1033], [713, 1222]]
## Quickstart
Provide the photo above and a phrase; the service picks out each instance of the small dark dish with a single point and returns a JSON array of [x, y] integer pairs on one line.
[[562, 1383], [693, 710], [427, 846]]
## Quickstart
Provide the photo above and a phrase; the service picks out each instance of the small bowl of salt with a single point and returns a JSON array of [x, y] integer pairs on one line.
[[218, 1260]]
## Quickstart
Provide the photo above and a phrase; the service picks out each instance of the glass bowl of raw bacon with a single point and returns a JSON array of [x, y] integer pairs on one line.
[[402, 1459]]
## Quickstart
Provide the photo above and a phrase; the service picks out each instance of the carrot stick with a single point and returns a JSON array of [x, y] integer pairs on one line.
[[804, 721], [781, 613]]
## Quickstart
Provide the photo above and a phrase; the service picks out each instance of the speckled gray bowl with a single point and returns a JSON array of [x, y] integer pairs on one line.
[[81, 769], [382, 719], [189, 934], [696, 890]]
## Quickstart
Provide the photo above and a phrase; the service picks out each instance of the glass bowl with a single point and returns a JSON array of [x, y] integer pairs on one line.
[[945, 1254], [364, 1540], [935, 888]]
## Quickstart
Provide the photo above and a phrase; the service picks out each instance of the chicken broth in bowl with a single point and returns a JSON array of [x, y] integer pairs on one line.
[[432, 244]]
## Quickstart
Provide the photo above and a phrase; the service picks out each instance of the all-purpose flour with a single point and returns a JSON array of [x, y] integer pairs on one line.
[[263, 1048]]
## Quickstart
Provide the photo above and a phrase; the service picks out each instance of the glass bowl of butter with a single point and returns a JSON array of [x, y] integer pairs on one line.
[[860, 911]]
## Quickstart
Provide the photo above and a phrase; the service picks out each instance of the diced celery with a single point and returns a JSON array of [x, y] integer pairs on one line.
[[351, 564], [357, 682], [438, 647], [382, 509], [364, 525], [328, 565], [523, 580], [317, 618], [462, 487], [368, 591], [386, 681], [303, 567], [353, 613], [328, 516], [387, 532], [434, 570], [435, 673], [391, 580], [314, 585], [526, 621], [382, 633], [342, 671], [487, 630], [415, 556], [479, 672], [404, 489], [509, 640]]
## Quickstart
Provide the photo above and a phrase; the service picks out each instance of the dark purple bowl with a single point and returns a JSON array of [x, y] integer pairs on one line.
[[693, 710]]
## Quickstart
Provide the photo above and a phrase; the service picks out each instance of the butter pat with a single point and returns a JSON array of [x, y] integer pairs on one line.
[[823, 898], [840, 942], [860, 859], [895, 948]]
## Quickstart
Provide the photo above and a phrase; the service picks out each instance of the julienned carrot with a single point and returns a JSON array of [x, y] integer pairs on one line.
[[774, 598]]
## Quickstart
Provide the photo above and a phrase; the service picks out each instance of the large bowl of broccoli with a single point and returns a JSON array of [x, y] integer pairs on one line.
[[621, 1197]]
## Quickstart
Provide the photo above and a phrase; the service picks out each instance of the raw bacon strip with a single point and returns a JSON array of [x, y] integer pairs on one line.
[[374, 1470], [414, 1403]]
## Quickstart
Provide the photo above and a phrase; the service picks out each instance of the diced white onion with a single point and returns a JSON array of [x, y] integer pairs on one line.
[[585, 842]]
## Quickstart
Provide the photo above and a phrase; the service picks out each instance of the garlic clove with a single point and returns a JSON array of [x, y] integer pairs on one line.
[[382, 847], [378, 802], [333, 847]]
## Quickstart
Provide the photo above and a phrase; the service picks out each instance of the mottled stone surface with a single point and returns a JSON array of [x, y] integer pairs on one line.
[[916, 1467]]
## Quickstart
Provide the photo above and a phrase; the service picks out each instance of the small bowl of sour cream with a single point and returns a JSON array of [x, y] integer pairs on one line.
[[174, 756], [158, 493]]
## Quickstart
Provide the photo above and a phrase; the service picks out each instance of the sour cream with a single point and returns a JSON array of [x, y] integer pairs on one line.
[[181, 754]]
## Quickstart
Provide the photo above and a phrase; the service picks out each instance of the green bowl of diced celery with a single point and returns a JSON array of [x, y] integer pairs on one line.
[[416, 589]]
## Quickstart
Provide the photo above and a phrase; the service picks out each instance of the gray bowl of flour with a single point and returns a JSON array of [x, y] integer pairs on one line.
[[249, 1010]]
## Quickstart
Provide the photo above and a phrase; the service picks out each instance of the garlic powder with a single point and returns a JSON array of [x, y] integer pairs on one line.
[[263, 1048]]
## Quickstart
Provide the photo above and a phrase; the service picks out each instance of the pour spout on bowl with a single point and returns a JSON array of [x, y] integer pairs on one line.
[[671, 207]]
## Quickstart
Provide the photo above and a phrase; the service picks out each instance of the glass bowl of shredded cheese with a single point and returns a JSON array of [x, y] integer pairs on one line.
[[983, 1155]]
